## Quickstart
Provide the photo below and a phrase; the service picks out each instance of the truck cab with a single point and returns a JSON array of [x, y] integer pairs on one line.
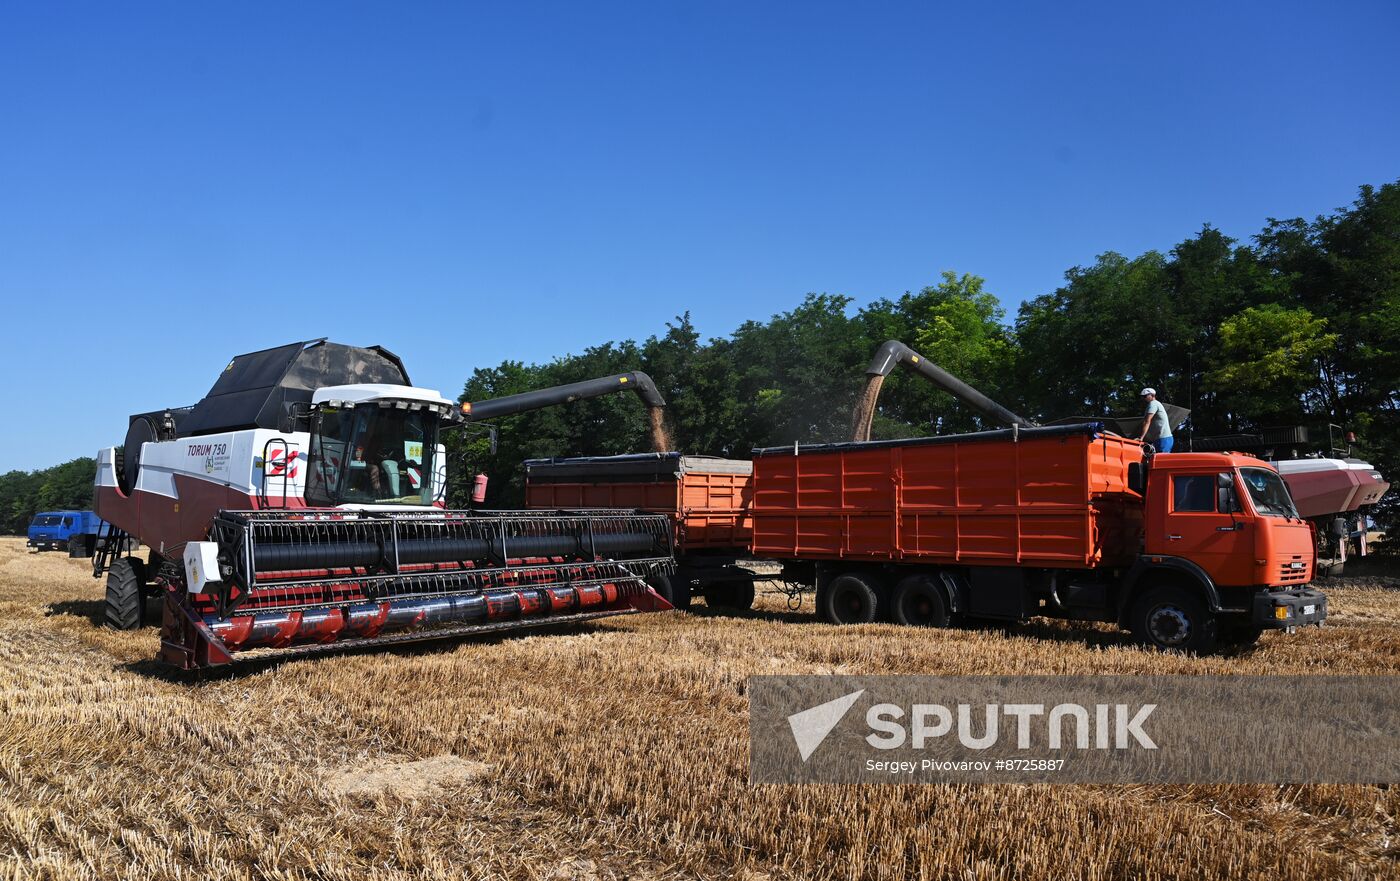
[[1226, 523], [55, 530]]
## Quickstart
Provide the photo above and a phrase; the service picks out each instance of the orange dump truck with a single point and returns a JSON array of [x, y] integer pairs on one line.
[[707, 499], [1189, 551]]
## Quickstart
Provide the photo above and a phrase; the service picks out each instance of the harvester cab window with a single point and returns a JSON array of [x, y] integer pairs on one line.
[[372, 455], [1267, 493]]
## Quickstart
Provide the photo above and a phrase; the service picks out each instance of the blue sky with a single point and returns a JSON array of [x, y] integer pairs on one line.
[[183, 182]]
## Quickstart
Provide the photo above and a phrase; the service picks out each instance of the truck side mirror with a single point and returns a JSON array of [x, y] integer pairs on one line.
[[1226, 501], [1137, 478]]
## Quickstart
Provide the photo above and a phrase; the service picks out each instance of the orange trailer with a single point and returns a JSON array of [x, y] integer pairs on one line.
[[707, 499]]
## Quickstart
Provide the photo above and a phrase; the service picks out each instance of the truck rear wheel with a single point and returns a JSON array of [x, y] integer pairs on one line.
[[849, 599], [919, 602], [1174, 619], [126, 580]]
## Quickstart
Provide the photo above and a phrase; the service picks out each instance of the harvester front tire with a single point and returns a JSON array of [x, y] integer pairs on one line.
[[126, 581], [1172, 618], [849, 599], [673, 589], [919, 602]]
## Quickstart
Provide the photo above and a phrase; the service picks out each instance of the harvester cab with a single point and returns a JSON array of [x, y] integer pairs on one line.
[[300, 505], [373, 445]]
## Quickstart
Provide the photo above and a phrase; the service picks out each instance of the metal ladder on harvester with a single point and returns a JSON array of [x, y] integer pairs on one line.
[[116, 543]]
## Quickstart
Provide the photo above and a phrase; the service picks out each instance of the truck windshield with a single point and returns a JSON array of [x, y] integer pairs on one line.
[[1267, 492], [372, 455], [45, 520]]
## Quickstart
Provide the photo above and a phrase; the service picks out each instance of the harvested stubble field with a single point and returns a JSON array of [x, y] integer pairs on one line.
[[615, 751]]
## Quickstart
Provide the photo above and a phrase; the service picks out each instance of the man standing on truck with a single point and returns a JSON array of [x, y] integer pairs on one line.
[[1156, 428]]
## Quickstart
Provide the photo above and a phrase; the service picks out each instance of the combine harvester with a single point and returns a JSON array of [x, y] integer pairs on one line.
[[300, 506]]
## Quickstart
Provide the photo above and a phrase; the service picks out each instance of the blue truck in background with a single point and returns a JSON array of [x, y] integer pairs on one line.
[[78, 532]]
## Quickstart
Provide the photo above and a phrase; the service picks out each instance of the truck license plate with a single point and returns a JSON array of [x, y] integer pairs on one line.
[[1309, 609]]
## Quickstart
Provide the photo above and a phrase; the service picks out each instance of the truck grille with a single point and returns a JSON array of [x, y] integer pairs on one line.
[[1292, 573]]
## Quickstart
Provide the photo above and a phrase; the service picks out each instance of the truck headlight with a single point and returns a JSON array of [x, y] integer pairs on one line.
[[1282, 613]]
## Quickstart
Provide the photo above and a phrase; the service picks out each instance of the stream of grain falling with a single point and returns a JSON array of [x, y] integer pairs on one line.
[[865, 408], [660, 436]]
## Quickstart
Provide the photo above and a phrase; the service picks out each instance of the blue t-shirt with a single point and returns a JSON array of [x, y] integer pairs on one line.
[[1160, 427]]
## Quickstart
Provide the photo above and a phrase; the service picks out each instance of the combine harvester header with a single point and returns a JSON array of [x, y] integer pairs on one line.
[[300, 505]]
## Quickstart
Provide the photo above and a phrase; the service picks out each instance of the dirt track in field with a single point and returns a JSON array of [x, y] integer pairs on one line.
[[613, 751]]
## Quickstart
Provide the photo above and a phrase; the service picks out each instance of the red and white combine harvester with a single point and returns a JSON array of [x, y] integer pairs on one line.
[[300, 506]]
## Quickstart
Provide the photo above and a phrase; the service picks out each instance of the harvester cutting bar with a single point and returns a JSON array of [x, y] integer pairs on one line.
[[313, 578]]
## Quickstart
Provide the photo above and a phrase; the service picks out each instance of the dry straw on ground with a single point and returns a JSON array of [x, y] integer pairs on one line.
[[608, 752]]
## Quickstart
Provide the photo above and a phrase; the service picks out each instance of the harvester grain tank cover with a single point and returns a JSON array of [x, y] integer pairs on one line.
[[257, 390]]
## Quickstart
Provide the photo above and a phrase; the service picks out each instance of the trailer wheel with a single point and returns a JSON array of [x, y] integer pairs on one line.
[[1174, 619], [126, 597], [919, 602], [849, 599], [673, 590], [735, 595]]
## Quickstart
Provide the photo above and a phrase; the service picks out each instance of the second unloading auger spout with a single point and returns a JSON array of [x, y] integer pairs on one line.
[[636, 381], [893, 352]]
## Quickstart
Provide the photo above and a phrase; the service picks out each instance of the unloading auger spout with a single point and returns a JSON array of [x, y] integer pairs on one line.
[[893, 352], [635, 381]]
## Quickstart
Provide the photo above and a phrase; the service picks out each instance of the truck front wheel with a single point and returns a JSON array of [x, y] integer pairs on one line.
[[1174, 619], [125, 600], [849, 599]]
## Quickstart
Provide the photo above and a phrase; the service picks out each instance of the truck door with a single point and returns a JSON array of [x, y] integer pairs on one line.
[[1205, 525]]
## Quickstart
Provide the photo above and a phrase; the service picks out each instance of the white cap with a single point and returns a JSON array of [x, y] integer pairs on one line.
[[1149, 391]]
